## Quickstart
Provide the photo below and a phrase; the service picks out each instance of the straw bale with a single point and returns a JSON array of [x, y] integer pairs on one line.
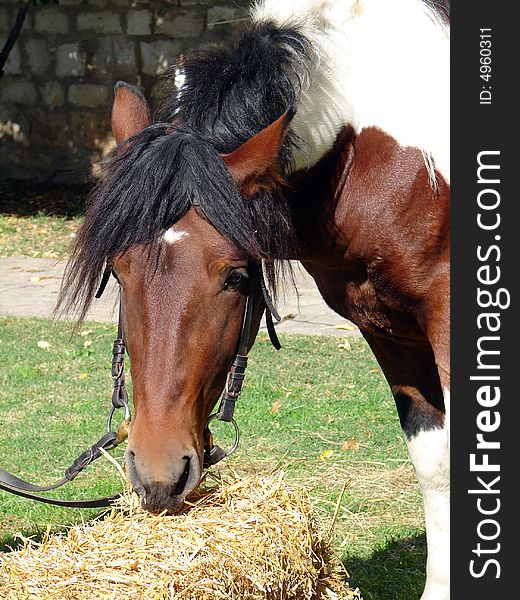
[[254, 539]]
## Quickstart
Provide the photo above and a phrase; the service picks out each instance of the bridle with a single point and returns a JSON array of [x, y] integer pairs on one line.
[[213, 454], [226, 410]]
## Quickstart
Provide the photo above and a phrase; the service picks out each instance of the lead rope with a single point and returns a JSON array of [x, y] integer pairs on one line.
[[15, 485]]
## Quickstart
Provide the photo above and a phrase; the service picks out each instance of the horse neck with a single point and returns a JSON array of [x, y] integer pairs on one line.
[[364, 196], [351, 77], [314, 198]]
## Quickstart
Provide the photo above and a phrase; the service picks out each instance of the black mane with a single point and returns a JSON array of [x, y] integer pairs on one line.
[[148, 185], [150, 182], [233, 92]]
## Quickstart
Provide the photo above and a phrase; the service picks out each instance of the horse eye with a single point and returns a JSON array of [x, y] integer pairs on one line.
[[235, 279]]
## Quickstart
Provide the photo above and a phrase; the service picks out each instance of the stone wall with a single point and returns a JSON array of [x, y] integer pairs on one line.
[[56, 94]]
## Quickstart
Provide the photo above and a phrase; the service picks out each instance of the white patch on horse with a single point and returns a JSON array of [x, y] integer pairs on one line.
[[429, 451], [376, 63], [172, 236]]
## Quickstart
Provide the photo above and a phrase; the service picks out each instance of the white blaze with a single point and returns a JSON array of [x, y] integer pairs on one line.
[[172, 236]]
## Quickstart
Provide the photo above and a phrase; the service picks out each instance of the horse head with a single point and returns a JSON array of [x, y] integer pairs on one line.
[[184, 289]]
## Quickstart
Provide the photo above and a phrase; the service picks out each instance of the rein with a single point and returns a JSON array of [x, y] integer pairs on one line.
[[108, 441], [213, 454]]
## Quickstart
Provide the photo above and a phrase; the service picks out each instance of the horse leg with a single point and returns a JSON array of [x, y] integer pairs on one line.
[[413, 376], [436, 324]]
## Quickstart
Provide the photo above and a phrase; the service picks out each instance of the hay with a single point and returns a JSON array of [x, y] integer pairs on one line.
[[256, 538]]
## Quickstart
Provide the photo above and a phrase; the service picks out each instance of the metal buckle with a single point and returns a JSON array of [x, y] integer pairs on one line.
[[213, 454], [127, 417]]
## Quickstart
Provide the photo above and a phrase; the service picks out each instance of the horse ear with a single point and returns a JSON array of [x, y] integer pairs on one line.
[[255, 165], [130, 112]]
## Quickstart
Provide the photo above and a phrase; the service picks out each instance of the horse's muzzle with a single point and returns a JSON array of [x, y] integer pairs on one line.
[[160, 495]]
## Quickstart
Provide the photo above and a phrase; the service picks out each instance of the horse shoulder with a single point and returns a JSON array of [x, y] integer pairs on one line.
[[385, 229]]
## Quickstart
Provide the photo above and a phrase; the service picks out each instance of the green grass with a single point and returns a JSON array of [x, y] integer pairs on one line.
[[298, 409], [37, 236]]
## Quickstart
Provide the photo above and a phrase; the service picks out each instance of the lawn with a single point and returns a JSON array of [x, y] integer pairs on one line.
[[319, 409]]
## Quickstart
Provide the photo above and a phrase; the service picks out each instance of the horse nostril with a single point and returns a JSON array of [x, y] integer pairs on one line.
[[183, 479]]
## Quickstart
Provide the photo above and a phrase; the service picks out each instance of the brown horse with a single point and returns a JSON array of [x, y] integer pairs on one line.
[[356, 187]]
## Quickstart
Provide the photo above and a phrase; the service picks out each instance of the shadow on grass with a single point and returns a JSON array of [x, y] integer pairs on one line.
[[30, 198], [394, 572], [8, 544]]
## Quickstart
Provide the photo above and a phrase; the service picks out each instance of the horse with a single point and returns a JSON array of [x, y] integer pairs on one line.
[[319, 134]]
